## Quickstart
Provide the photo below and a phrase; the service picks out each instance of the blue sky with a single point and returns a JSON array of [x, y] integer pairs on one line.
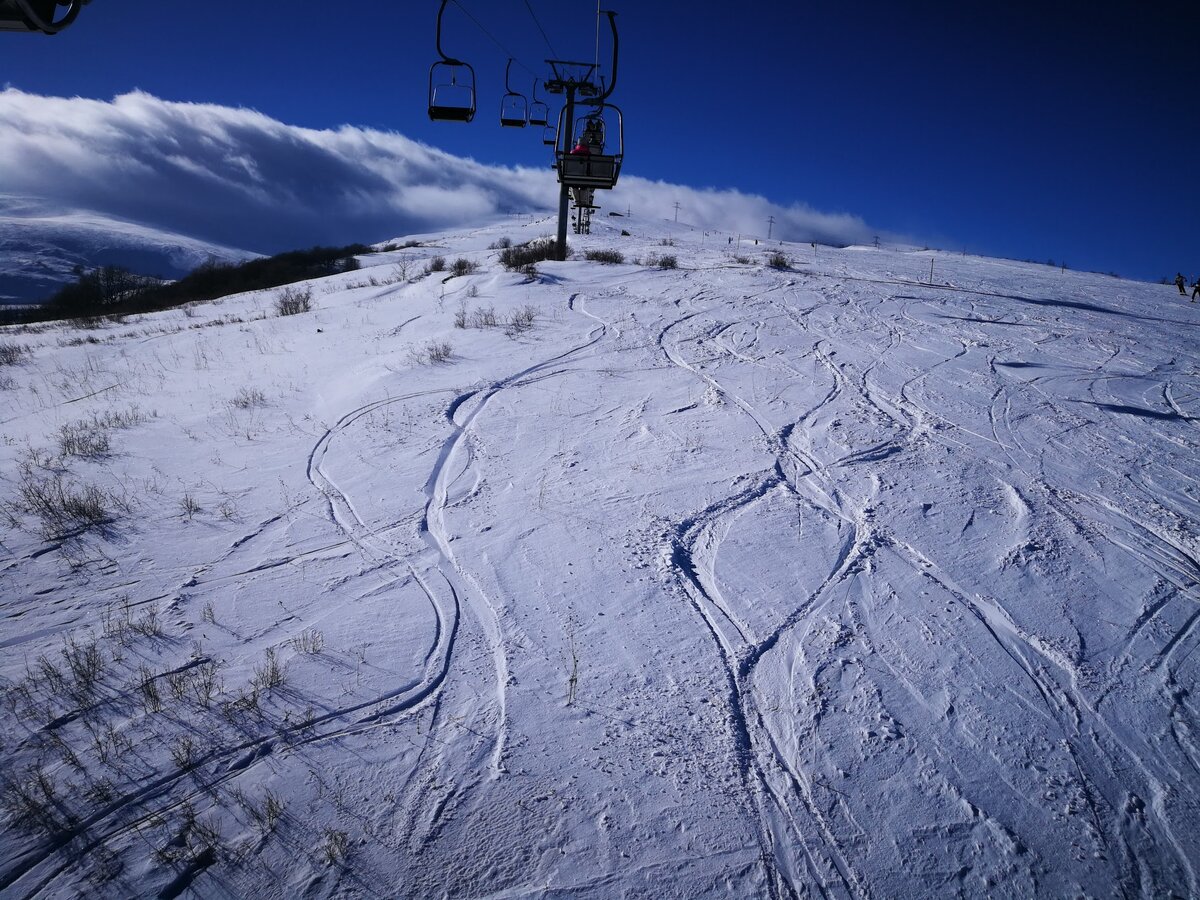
[[1035, 131]]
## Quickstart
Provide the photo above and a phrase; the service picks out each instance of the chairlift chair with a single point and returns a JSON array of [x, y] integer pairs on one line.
[[539, 112], [514, 107], [38, 15], [592, 170], [451, 84]]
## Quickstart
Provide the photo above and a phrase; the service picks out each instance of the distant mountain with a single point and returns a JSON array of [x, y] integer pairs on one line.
[[41, 246]]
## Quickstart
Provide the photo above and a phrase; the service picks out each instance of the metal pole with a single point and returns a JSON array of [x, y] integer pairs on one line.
[[564, 193]]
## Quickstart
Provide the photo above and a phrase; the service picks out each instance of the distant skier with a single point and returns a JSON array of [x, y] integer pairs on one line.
[[1180, 281], [1196, 289]]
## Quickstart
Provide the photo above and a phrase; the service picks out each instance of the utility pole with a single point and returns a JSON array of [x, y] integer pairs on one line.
[[676, 212], [770, 226]]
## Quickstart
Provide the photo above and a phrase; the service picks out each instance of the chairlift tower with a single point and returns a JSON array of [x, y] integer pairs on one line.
[[452, 99], [577, 81]]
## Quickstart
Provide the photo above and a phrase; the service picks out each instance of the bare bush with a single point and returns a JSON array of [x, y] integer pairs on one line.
[[32, 803], [522, 319], [86, 664], [518, 259], [87, 438], [437, 264], [189, 506], [611, 257], [502, 244], [336, 846], [206, 682], [147, 684], [63, 508], [122, 418], [463, 266], [248, 398], [433, 352], [148, 625], [293, 301], [12, 354], [778, 261], [439, 351], [310, 640], [484, 317], [271, 674]]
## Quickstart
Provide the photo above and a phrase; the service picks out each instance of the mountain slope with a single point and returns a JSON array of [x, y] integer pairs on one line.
[[40, 249], [716, 580]]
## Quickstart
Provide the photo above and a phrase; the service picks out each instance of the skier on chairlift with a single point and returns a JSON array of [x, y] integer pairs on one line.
[[589, 142]]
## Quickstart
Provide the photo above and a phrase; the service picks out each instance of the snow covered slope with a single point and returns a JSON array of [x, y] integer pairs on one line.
[[40, 248], [717, 580]]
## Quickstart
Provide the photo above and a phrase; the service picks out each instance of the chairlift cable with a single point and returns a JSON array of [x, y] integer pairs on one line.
[[541, 29], [597, 34], [494, 40]]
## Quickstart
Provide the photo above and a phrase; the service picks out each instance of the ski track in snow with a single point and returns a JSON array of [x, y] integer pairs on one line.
[[932, 548]]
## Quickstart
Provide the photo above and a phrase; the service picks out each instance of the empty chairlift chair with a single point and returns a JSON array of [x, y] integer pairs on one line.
[[514, 108], [451, 85], [539, 112]]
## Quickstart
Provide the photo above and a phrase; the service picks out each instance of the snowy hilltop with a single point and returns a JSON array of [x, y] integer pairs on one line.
[[42, 247], [698, 567]]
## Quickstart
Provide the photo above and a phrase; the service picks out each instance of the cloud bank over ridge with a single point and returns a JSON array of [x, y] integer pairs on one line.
[[240, 178]]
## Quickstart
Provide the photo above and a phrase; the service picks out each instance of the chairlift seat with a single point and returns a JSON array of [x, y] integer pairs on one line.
[[596, 170], [451, 113], [509, 119], [451, 91]]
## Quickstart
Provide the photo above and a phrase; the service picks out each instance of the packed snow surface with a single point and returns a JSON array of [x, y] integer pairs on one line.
[[817, 581]]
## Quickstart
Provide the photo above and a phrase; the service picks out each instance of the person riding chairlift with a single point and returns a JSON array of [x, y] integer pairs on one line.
[[590, 141]]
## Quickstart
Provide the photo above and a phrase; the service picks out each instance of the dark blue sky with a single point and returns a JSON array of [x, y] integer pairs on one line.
[[1058, 130]]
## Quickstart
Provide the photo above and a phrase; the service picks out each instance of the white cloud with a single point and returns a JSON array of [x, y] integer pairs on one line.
[[241, 178]]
